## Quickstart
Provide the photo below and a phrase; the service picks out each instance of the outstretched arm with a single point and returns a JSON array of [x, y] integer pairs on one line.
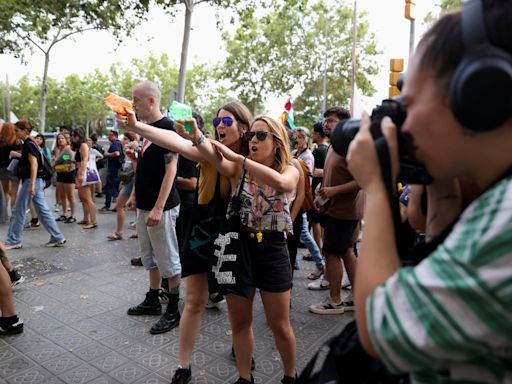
[[283, 182], [162, 137]]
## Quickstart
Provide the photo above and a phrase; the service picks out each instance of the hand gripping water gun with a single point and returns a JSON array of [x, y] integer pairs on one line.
[[118, 103]]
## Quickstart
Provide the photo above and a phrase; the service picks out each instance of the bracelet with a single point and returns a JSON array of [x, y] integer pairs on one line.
[[243, 164], [199, 141]]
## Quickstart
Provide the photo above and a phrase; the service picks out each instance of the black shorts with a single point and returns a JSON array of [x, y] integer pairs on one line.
[[271, 268], [314, 216], [66, 177], [338, 235], [193, 263]]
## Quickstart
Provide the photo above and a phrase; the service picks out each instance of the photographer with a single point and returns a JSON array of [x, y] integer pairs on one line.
[[449, 318]]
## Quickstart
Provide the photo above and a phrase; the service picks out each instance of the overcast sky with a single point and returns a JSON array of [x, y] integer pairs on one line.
[[95, 49]]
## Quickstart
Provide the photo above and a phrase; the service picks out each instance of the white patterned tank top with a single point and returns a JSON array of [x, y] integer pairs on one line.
[[263, 208]]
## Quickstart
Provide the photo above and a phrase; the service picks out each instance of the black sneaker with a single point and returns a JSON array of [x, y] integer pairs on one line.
[[182, 376], [10, 329], [289, 380], [146, 308], [16, 278], [136, 261], [241, 380], [167, 322], [253, 364]]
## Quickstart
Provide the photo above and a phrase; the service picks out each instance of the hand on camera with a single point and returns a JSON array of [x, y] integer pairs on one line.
[[362, 157]]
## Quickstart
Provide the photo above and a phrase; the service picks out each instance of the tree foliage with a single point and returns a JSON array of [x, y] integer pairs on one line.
[[444, 6], [29, 24], [287, 50], [79, 100]]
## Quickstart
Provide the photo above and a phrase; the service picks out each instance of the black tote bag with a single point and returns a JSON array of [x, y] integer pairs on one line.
[[205, 223], [229, 269]]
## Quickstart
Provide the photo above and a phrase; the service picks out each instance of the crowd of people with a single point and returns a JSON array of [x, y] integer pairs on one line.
[[290, 186]]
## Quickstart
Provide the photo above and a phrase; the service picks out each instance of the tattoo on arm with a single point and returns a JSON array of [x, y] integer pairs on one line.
[[169, 157]]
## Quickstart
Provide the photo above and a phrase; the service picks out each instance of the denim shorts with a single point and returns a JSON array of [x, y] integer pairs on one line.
[[126, 191], [159, 244]]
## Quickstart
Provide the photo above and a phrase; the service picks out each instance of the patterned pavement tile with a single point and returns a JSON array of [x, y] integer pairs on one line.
[[34, 375], [68, 338], [109, 362], [91, 351], [80, 375], [62, 363], [129, 373], [15, 365], [93, 329], [7, 352]]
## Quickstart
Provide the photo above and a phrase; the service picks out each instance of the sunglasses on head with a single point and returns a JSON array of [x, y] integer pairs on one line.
[[260, 135], [226, 121]]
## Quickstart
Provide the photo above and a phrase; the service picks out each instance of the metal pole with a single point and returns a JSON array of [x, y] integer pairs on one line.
[[353, 74]]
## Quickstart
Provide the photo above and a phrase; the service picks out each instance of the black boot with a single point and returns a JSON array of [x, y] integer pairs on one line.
[[150, 306], [170, 319]]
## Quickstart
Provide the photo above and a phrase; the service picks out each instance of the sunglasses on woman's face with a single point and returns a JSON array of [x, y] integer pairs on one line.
[[260, 135], [226, 121]]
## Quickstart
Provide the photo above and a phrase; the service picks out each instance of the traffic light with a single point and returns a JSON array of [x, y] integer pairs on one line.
[[410, 11], [396, 66]]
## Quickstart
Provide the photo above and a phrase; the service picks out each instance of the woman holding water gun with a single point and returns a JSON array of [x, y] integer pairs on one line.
[[231, 122]]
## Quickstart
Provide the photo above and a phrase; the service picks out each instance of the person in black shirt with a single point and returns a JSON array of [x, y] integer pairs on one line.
[[319, 153], [114, 162], [158, 205], [29, 171]]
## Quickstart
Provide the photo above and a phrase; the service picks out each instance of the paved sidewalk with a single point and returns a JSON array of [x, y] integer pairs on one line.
[[74, 304]]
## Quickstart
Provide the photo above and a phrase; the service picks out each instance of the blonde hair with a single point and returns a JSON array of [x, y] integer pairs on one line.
[[283, 156]]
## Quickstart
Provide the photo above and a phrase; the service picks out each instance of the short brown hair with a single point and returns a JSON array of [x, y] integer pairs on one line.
[[24, 125]]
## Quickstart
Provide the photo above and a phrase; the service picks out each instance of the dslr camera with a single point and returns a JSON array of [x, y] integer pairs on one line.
[[411, 171]]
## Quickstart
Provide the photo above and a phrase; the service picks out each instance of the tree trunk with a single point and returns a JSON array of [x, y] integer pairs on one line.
[[44, 91], [189, 8]]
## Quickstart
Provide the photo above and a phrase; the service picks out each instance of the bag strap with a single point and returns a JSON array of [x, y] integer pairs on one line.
[[216, 194]]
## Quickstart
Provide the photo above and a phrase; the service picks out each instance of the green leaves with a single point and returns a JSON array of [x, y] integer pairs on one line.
[[79, 99], [287, 47]]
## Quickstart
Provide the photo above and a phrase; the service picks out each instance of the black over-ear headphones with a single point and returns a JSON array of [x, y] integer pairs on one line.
[[481, 87]]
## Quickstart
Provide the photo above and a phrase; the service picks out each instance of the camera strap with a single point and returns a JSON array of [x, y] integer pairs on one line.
[[381, 146]]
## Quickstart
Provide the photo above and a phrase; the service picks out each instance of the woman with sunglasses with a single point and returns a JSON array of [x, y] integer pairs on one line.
[[231, 122], [269, 180]]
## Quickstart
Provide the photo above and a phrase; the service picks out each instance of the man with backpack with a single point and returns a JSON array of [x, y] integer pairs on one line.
[[115, 159]]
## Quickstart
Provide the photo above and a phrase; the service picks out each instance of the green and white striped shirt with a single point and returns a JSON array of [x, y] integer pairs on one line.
[[449, 319]]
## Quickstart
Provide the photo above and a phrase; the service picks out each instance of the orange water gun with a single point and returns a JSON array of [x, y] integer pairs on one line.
[[118, 103]]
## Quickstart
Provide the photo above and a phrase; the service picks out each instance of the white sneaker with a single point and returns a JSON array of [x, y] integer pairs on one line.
[[13, 246], [327, 307], [319, 285]]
